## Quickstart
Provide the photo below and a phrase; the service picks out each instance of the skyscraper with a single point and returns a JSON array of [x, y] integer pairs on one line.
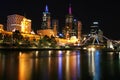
[[69, 18], [46, 25], [67, 30], [79, 30], [46, 22]]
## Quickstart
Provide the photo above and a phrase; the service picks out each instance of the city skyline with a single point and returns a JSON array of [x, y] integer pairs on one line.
[[105, 12]]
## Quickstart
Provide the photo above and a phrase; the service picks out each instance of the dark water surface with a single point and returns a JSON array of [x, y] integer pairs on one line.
[[59, 65]]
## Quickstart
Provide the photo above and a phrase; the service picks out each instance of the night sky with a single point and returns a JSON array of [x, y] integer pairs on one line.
[[106, 12]]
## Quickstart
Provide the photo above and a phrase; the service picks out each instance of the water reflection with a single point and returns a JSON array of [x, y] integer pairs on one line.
[[94, 64], [8, 66], [111, 66], [119, 60], [60, 68], [24, 70], [67, 68], [47, 64], [59, 65]]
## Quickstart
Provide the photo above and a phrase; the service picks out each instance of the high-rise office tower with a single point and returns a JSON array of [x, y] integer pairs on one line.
[[74, 29], [79, 31], [18, 22], [46, 22], [69, 18], [67, 31], [96, 33], [94, 28]]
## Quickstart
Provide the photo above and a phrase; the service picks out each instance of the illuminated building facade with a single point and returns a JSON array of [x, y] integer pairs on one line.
[[79, 31], [55, 26], [46, 28], [46, 22], [14, 22], [44, 32], [1, 28], [94, 28], [69, 18], [26, 25], [95, 36], [96, 31], [68, 24], [18, 22], [72, 26]]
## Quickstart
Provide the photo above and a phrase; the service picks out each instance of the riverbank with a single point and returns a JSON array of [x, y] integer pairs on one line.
[[55, 48], [35, 48]]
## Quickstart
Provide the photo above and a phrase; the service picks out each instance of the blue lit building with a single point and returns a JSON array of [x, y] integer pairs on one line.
[[46, 19]]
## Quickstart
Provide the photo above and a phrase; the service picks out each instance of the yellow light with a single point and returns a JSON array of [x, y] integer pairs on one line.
[[84, 48], [25, 23], [91, 49]]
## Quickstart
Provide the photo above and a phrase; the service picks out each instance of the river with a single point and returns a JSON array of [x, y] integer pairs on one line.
[[59, 65]]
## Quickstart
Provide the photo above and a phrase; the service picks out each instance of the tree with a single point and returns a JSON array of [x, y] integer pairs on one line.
[[17, 35]]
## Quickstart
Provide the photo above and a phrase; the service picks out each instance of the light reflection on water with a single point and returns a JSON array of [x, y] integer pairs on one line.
[[25, 67], [94, 64], [59, 65]]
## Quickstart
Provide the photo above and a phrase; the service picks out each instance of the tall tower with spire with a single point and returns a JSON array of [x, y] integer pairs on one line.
[[46, 19], [69, 17], [67, 31]]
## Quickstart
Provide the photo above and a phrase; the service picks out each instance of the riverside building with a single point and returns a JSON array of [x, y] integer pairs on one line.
[[18, 22]]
